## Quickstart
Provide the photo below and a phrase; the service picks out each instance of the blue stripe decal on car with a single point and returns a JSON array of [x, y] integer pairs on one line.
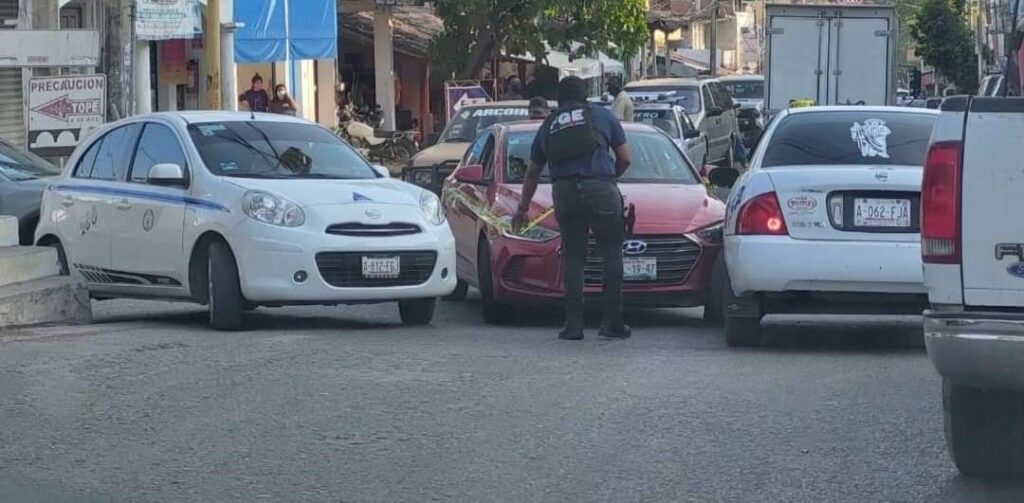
[[152, 196]]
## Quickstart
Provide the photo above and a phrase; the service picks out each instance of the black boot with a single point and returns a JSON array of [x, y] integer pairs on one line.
[[622, 331], [571, 334]]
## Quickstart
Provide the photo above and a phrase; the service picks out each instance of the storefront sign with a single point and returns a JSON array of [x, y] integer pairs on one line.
[[63, 110], [168, 19], [458, 96]]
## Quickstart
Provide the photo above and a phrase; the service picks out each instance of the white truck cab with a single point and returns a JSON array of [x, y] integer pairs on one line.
[[972, 245]]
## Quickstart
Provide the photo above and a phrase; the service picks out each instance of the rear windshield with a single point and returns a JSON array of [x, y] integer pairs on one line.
[[654, 159], [663, 119], [746, 90], [686, 97], [466, 124], [844, 138]]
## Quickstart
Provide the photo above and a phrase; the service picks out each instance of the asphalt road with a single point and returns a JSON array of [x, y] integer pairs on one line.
[[344, 404]]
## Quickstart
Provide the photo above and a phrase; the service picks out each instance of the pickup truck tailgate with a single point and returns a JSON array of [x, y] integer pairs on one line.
[[992, 203]]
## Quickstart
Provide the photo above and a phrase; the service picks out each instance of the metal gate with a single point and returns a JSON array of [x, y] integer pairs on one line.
[[12, 103]]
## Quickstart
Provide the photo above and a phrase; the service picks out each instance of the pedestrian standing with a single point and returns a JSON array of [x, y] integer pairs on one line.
[[513, 89], [255, 99], [283, 102], [576, 143], [622, 104]]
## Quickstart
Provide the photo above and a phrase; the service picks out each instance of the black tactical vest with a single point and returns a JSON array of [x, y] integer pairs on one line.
[[572, 134]]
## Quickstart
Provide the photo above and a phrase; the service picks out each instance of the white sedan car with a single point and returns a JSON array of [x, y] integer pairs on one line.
[[826, 218], [238, 211]]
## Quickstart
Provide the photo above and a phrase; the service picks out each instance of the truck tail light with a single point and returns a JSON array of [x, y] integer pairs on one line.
[[761, 215], [940, 204]]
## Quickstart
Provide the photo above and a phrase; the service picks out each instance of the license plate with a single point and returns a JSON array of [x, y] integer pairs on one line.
[[381, 267], [869, 212], [640, 268]]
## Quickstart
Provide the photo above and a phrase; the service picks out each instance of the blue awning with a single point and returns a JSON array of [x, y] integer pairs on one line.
[[278, 29]]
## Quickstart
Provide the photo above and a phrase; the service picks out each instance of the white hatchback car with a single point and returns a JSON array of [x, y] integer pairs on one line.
[[238, 211], [826, 220]]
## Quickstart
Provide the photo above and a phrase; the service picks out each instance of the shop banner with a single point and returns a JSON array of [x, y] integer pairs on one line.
[[168, 19], [63, 110], [460, 95]]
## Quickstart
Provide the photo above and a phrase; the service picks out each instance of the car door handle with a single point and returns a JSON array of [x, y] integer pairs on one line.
[[124, 204]]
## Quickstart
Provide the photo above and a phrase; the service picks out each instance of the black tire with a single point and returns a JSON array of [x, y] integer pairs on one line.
[[460, 292], [225, 292], [495, 313], [984, 430], [62, 257], [714, 308], [742, 332], [417, 311]]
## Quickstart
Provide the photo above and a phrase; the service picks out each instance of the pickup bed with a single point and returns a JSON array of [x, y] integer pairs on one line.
[[972, 246]]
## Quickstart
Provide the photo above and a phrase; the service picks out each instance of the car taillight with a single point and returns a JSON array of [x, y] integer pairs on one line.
[[940, 204], [761, 215]]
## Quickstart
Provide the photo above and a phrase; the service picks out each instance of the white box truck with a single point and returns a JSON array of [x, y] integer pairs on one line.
[[830, 54]]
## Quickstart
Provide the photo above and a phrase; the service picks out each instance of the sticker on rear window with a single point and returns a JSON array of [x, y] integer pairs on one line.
[[210, 129], [871, 137], [228, 166]]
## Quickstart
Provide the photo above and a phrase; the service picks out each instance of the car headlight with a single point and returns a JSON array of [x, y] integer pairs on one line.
[[273, 210], [536, 233], [711, 234], [430, 205]]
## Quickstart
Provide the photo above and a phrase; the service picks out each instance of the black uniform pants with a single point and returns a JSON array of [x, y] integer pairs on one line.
[[583, 205]]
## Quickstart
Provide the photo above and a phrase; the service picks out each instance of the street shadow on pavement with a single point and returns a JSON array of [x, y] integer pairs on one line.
[[260, 320], [824, 333], [960, 488]]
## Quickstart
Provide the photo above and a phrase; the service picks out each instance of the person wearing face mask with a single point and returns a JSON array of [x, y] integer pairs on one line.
[[283, 102]]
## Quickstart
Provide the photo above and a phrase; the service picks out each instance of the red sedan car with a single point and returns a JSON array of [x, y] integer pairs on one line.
[[674, 228]]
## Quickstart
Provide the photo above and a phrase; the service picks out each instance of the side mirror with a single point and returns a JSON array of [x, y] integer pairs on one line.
[[472, 174], [431, 139], [715, 111], [690, 134], [736, 106], [382, 171], [722, 177], [167, 175]]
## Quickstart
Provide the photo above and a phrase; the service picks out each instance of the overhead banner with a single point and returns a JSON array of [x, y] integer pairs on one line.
[[168, 19], [458, 95], [63, 110]]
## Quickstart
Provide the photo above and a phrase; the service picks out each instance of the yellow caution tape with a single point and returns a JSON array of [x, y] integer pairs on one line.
[[504, 223]]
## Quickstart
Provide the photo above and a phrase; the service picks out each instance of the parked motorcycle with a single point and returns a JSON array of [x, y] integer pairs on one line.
[[378, 146]]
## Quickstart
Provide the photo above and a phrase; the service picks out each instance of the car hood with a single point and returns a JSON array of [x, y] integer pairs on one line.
[[659, 208], [442, 152], [313, 192]]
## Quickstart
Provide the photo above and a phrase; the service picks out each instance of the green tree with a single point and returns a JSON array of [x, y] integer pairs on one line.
[[944, 41], [477, 31]]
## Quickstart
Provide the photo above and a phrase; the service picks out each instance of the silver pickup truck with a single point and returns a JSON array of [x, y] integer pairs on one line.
[[972, 245]]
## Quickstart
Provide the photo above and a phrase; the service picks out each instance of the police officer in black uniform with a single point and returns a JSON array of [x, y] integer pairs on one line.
[[577, 142]]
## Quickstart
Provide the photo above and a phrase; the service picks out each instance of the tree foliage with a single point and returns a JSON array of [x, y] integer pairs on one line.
[[477, 31], [944, 41]]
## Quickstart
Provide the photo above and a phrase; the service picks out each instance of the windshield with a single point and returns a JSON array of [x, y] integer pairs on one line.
[[276, 150], [17, 165], [686, 97], [751, 90], [655, 159], [845, 138], [466, 124], [664, 120]]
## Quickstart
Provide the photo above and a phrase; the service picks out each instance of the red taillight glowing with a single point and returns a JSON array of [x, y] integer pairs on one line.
[[940, 204], [761, 215]]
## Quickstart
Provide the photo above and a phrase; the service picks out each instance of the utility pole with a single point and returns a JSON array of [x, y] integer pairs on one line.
[[117, 61], [212, 53], [713, 61]]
